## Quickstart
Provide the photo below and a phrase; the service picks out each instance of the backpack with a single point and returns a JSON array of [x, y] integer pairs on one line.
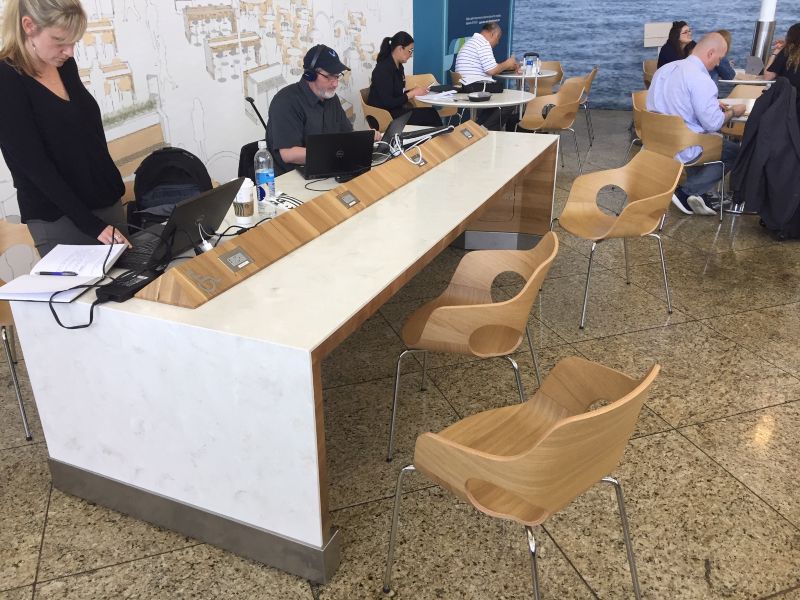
[[163, 179]]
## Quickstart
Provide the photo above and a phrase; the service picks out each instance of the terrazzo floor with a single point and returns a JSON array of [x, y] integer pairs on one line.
[[710, 475]]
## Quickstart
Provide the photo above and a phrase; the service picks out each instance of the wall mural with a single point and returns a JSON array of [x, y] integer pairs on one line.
[[176, 72]]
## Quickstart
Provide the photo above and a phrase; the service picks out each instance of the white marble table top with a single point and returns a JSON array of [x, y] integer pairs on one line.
[[516, 75], [303, 298], [506, 98]]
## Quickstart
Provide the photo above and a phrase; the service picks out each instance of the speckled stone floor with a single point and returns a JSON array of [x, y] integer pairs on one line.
[[710, 476]]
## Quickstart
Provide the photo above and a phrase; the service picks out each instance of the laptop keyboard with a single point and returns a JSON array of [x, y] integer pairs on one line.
[[142, 254]]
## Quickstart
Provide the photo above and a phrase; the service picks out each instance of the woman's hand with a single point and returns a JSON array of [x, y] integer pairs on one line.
[[778, 45], [112, 235], [417, 91]]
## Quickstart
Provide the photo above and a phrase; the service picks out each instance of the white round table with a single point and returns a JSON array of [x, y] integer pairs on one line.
[[506, 98], [520, 78]]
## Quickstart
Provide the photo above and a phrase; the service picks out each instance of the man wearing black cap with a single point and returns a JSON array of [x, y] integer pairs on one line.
[[309, 106]]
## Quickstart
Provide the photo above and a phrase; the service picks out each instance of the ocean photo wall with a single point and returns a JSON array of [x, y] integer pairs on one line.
[[610, 34]]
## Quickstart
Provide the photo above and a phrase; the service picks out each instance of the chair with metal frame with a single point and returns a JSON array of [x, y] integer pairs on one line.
[[587, 87], [556, 112], [455, 78], [376, 118], [649, 181], [639, 103], [526, 462], [427, 80], [465, 320], [745, 92], [545, 85], [668, 135], [649, 68], [12, 234]]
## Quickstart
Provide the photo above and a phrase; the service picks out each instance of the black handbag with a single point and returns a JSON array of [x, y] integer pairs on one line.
[[493, 87]]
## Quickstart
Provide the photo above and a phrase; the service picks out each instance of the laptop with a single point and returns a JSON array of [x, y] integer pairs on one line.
[[182, 230], [408, 138], [337, 154], [754, 65]]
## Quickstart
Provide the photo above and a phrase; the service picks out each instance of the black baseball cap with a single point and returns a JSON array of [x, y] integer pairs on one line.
[[327, 60]]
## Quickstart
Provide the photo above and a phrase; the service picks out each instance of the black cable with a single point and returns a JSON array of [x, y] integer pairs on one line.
[[317, 181]]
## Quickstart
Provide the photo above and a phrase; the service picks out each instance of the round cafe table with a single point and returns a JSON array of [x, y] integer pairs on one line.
[[506, 98], [520, 78]]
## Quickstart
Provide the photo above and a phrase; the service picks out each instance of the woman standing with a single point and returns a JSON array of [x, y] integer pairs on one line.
[[679, 44], [785, 60], [51, 132], [388, 88]]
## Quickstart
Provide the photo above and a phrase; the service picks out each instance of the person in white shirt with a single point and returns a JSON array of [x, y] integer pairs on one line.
[[476, 62]]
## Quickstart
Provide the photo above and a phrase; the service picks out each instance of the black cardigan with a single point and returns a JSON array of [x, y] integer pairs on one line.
[[386, 89], [56, 150]]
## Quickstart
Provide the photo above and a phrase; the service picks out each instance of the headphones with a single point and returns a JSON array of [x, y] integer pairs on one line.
[[310, 74]]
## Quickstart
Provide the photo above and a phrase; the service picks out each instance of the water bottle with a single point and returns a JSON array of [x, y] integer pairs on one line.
[[265, 180]]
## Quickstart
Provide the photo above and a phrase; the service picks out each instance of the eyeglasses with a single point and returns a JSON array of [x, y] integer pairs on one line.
[[685, 31], [409, 50], [337, 76]]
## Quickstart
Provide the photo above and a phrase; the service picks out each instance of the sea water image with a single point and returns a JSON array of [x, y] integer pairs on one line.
[[586, 33]]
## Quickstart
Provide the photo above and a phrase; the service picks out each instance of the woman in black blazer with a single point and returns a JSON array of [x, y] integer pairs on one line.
[[388, 88]]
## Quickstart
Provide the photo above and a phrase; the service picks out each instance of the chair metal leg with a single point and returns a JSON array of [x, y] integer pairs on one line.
[[663, 269], [4, 333], [422, 386], [533, 356], [517, 376], [589, 127], [626, 534], [577, 152], [12, 343], [663, 220], [628, 153], [394, 403], [586, 289], [387, 576], [722, 194], [627, 262], [534, 566]]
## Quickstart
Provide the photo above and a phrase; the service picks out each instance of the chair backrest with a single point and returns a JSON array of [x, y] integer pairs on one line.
[[377, 118], [14, 234], [747, 91], [639, 103], [545, 85], [535, 475], [588, 82], [420, 80], [455, 77], [563, 107], [649, 68], [669, 135]]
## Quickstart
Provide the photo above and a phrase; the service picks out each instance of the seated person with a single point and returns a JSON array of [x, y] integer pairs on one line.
[[678, 45], [724, 70], [309, 106], [388, 88], [475, 62], [685, 88], [785, 59]]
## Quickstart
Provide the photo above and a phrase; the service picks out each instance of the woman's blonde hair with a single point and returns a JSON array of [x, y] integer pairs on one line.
[[64, 14]]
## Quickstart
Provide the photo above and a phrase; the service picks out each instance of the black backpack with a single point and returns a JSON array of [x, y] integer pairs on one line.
[[164, 178]]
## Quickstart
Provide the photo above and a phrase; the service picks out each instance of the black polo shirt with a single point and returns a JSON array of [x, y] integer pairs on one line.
[[296, 112]]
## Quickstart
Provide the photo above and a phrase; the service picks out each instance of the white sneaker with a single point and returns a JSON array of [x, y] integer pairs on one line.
[[698, 206], [681, 206]]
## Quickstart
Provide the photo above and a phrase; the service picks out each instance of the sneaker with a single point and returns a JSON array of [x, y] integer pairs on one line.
[[679, 199], [700, 205]]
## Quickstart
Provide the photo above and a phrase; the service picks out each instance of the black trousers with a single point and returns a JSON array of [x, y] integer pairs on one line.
[[420, 116]]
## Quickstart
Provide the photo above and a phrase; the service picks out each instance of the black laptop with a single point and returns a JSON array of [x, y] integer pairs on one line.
[[337, 154], [191, 221]]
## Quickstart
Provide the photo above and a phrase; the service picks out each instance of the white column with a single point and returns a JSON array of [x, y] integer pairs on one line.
[[767, 10]]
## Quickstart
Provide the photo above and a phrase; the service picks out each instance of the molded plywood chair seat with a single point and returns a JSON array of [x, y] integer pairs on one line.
[[668, 135], [12, 234], [465, 320], [427, 80], [746, 92], [639, 103], [649, 68], [556, 112], [525, 462], [377, 118], [649, 181], [545, 85]]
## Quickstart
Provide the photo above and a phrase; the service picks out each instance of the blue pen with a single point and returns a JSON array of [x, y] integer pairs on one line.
[[59, 273]]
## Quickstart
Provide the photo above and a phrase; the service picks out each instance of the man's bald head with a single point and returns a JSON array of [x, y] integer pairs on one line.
[[710, 49]]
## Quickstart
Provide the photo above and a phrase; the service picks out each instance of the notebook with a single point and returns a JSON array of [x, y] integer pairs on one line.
[[63, 268]]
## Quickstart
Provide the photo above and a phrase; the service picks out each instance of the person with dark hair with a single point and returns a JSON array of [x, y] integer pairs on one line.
[[785, 59], [388, 88], [679, 44], [51, 132]]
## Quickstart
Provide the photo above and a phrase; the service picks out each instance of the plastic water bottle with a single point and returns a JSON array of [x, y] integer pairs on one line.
[[265, 180]]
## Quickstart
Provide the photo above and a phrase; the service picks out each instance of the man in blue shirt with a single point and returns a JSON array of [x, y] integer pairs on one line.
[[685, 88]]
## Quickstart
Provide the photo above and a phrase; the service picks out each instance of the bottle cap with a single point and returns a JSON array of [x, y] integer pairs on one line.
[[262, 144]]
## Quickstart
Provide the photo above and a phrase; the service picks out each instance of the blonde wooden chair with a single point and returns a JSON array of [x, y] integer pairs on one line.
[[455, 77], [587, 87], [639, 103], [668, 135], [563, 108], [649, 181], [545, 85], [380, 117], [426, 80], [13, 234], [736, 129], [649, 68], [525, 462], [465, 320]]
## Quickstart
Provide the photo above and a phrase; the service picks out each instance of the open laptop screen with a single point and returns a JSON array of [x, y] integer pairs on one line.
[[333, 154]]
